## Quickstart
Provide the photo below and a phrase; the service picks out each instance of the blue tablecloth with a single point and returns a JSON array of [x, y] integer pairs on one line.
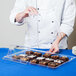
[[9, 68]]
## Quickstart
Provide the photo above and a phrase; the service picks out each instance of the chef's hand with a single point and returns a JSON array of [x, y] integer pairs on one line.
[[25, 13], [54, 47]]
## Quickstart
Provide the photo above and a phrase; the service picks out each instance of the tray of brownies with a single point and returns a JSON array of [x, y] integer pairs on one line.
[[37, 57]]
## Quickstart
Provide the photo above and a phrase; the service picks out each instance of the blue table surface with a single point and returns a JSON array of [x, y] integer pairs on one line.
[[9, 68]]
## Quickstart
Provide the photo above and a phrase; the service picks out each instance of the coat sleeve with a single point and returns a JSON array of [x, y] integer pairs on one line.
[[68, 17], [18, 7]]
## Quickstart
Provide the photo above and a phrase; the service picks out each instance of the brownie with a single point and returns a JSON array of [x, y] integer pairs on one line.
[[59, 61], [40, 58], [22, 55], [29, 52], [44, 63], [52, 64], [16, 57], [24, 59], [49, 60], [64, 58], [32, 57], [55, 57], [57, 64], [47, 55], [37, 54], [34, 61]]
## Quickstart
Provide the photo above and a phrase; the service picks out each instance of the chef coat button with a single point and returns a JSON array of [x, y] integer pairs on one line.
[[38, 20], [51, 32], [38, 31], [37, 8], [51, 43], [52, 21], [72, 3]]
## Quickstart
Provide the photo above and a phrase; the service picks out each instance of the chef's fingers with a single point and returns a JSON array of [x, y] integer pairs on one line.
[[51, 50], [26, 15], [47, 52], [56, 51], [34, 10], [30, 11]]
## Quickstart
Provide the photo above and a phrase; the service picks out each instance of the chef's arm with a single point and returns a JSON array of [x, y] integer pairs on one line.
[[55, 46], [60, 36], [21, 11], [18, 8], [67, 23], [20, 16], [68, 17]]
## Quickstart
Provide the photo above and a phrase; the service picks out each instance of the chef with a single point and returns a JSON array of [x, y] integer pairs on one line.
[[49, 22]]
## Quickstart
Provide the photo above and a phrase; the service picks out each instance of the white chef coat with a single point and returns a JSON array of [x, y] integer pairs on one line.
[[54, 16]]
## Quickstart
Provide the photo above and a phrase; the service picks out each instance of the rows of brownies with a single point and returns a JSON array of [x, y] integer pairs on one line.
[[44, 60]]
